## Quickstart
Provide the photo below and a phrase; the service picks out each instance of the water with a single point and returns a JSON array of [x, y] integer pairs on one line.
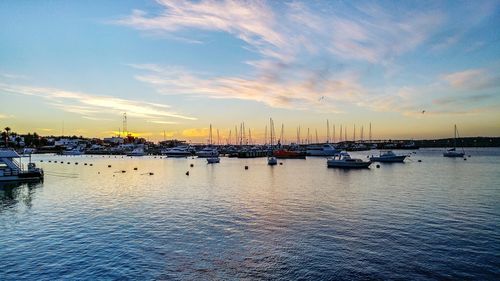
[[438, 219]]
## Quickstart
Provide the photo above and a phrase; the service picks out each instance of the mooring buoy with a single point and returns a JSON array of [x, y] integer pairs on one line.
[[187, 173]]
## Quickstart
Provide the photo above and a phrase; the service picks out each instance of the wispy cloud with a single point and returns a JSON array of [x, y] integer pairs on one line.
[[373, 35], [4, 116], [291, 38], [472, 79], [94, 106], [313, 91]]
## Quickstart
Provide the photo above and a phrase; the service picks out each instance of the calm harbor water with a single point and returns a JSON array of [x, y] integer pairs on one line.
[[435, 219]]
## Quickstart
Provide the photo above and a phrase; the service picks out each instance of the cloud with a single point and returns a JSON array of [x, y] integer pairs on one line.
[[472, 79], [195, 133], [284, 31], [313, 92], [252, 22], [162, 122], [312, 55], [4, 116], [462, 99], [92, 106]]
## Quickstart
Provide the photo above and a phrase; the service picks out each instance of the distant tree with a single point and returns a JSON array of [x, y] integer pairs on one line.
[[7, 130]]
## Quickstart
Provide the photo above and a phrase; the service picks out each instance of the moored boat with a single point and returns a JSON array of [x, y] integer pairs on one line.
[[208, 151], [344, 160], [139, 151], [452, 152], [11, 168], [72, 151], [178, 151], [322, 150], [289, 154], [388, 156]]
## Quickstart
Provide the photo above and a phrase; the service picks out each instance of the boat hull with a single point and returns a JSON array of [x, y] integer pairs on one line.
[[343, 165], [23, 177], [287, 154], [213, 160], [392, 159], [453, 154]]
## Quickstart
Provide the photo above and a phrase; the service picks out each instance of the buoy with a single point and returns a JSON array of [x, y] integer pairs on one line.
[[69, 163], [246, 167], [187, 173], [109, 166], [378, 166], [98, 172], [76, 163], [192, 165], [419, 160], [41, 160], [135, 169], [151, 173], [49, 161], [465, 159], [469, 155], [55, 161], [91, 164], [281, 163], [85, 164], [123, 171]]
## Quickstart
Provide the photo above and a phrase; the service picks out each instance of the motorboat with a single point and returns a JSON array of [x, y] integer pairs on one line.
[[213, 160], [11, 168], [344, 160], [322, 150], [388, 156], [208, 151], [271, 160], [72, 151], [178, 151], [138, 151], [452, 152]]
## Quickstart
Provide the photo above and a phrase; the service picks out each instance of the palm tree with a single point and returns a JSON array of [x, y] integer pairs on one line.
[[7, 130]]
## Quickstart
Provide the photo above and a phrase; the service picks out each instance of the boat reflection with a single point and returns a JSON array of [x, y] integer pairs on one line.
[[12, 193]]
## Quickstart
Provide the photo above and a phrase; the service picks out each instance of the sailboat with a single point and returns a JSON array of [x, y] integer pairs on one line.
[[214, 156], [452, 152], [271, 160]]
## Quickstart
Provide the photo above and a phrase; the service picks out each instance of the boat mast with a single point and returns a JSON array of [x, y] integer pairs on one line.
[[455, 138], [327, 131], [210, 135]]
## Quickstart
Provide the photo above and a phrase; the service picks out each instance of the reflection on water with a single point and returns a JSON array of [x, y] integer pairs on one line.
[[435, 219], [12, 193]]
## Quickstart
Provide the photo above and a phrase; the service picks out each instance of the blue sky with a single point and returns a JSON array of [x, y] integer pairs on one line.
[[177, 66]]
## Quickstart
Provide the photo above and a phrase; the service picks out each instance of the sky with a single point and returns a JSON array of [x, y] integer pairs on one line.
[[412, 69]]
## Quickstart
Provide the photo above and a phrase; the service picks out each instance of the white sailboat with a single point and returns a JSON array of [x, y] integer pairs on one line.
[[452, 152], [271, 160], [213, 156]]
